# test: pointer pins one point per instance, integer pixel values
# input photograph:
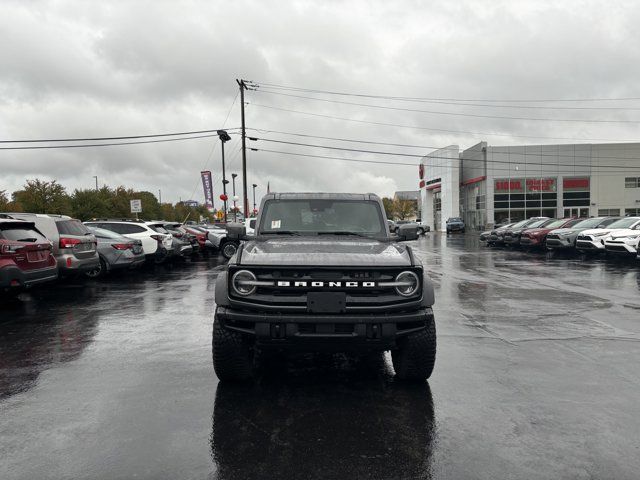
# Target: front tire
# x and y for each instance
(232, 357)
(415, 356)
(421, 231)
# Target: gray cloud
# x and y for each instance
(120, 68)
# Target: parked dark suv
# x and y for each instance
(323, 274)
(455, 225)
(25, 256)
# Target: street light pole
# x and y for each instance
(224, 137)
(160, 196)
(96, 177)
(254, 198)
(235, 211)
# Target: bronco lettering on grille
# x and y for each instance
(318, 284)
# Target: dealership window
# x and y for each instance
(632, 212)
(608, 212)
(632, 182)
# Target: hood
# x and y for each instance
(625, 232)
(327, 251)
(600, 231)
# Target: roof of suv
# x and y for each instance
(53, 216)
(324, 196)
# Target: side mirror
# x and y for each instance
(236, 231)
(407, 232)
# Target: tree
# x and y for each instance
(404, 208)
(40, 196)
(86, 204)
(4, 201)
(388, 207)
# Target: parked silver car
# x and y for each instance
(74, 246)
(115, 252)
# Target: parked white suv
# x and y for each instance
(594, 239)
(624, 241)
(156, 246)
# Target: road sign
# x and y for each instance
(220, 214)
(136, 206)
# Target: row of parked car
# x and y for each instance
(611, 235)
(39, 248)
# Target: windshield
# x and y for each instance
(625, 222)
(519, 224)
(589, 223)
(71, 227)
(452, 220)
(322, 216)
(555, 224)
(538, 223)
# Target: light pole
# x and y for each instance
(254, 198)
(224, 137)
(96, 177)
(235, 212)
(160, 196)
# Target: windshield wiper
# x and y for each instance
(345, 233)
(281, 232)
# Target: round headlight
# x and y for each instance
(407, 284)
(243, 282)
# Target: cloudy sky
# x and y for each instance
(78, 69)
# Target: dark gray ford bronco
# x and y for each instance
(323, 274)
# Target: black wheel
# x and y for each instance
(420, 231)
(232, 357)
(99, 271)
(229, 249)
(415, 355)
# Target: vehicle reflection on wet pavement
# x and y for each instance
(536, 377)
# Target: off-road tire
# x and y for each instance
(229, 249)
(415, 356)
(232, 358)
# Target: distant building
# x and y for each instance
(191, 203)
(485, 185)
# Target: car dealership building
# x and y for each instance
(485, 185)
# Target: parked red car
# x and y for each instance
(200, 236)
(26, 256)
(536, 237)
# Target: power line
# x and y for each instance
(533, 165)
(459, 103)
(416, 127)
(100, 139)
(389, 97)
(454, 114)
(86, 145)
(533, 154)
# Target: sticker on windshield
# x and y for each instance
(275, 224)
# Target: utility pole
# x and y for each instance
(160, 196)
(254, 199)
(96, 177)
(235, 209)
(245, 198)
(224, 137)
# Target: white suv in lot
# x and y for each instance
(156, 246)
(595, 239)
(624, 241)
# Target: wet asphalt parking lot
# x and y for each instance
(537, 377)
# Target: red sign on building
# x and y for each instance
(577, 183)
(541, 184)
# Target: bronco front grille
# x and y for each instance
(290, 286)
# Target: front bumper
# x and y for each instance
(590, 244)
(531, 241)
(559, 243)
(26, 278)
(621, 247)
(312, 332)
